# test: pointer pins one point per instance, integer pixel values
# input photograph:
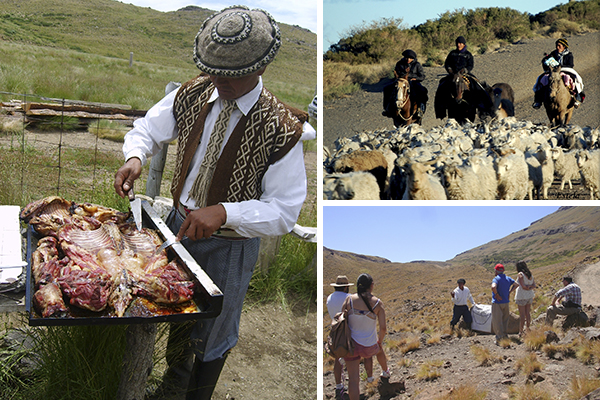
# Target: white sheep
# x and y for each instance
(534, 182)
(350, 186)
(461, 182)
(565, 166)
(589, 169)
(421, 184)
(512, 174)
(484, 168)
(544, 156)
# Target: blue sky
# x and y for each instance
(292, 12)
(408, 233)
(340, 15)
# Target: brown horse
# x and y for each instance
(503, 99)
(398, 102)
(557, 100)
(460, 95)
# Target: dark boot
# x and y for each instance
(204, 378)
(538, 98)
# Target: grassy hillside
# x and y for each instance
(55, 47)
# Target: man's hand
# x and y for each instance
(202, 223)
(126, 175)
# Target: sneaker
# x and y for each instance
(576, 104)
(370, 379)
(385, 374)
(536, 105)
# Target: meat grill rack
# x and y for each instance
(207, 302)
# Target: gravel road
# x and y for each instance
(517, 64)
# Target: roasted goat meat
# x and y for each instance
(49, 300)
(98, 261)
(85, 288)
(168, 284)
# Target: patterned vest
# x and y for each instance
(269, 131)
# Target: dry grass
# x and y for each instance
(529, 364)
(528, 392)
(536, 337)
(435, 338)
(484, 356)
(343, 78)
(464, 392)
(430, 370)
(581, 386)
(505, 343)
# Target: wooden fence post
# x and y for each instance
(157, 166)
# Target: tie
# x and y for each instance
(200, 187)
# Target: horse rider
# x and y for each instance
(459, 59)
(416, 75)
(560, 56)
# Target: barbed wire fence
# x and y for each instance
(61, 147)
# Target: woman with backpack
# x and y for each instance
(365, 312)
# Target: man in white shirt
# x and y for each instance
(460, 295)
(334, 306)
(239, 175)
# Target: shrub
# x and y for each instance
(464, 392)
(430, 370)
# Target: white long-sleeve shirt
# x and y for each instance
(461, 296)
(283, 185)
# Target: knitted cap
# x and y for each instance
(409, 54)
(461, 39)
(236, 42)
(562, 41)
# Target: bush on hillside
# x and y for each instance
(381, 40)
(586, 13)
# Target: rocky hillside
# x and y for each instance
(418, 311)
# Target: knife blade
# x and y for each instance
(136, 209)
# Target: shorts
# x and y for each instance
(362, 351)
(524, 302)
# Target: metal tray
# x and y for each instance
(207, 302)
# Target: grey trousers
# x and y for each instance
(500, 316)
(553, 311)
(230, 264)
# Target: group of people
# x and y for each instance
(460, 60)
(367, 321)
(502, 286)
(365, 315)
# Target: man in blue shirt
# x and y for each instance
(502, 285)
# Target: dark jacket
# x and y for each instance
(458, 60)
(565, 61)
(416, 70)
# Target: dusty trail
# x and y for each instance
(588, 280)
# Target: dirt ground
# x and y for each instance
(459, 366)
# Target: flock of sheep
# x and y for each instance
(507, 160)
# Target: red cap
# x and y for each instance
(499, 267)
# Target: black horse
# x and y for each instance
(460, 96)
